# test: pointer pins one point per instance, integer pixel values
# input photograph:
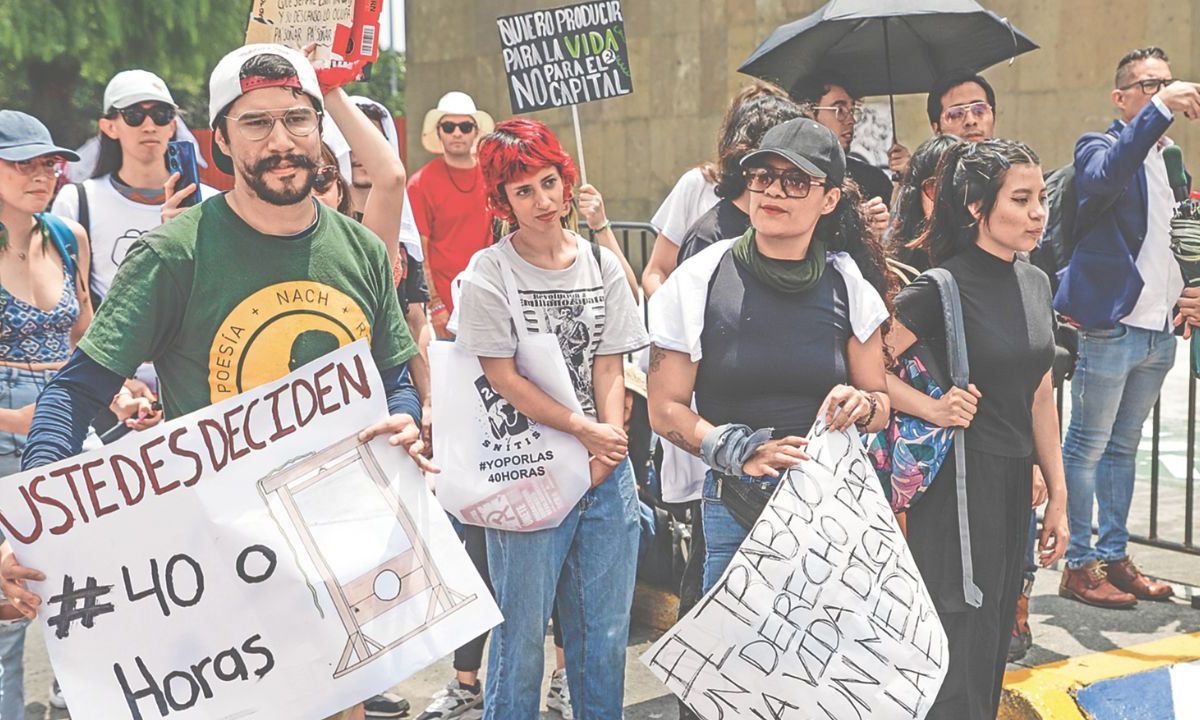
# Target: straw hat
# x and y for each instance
(452, 103)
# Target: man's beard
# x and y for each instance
(289, 195)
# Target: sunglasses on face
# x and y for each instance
(135, 115)
(795, 183)
(958, 113)
(51, 165)
(466, 127)
(258, 124)
(1150, 86)
(843, 113)
(325, 178)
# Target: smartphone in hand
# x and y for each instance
(181, 158)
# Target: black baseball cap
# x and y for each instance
(805, 143)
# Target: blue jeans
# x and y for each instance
(589, 562)
(18, 388)
(722, 534)
(12, 670)
(1117, 381)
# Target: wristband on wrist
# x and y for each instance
(435, 308)
(726, 448)
(866, 422)
(607, 224)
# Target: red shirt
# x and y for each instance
(449, 205)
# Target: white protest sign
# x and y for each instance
(249, 560)
(821, 613)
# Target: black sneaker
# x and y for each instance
(386, 705)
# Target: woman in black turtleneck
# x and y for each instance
(989, 206)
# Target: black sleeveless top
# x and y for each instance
(770, 357)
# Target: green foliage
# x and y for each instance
(58, 55)
(387, 82)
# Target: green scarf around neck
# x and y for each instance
(790, 276)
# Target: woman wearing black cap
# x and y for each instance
(790, 328)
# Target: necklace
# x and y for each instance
(464, 191)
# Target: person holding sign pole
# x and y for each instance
(578, 292)
(263, 251)
(770, 331)
(988, 207)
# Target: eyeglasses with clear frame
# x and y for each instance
(51, 165)
(958, 113)
(843, 113)
(258, 124)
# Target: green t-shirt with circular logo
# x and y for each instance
(221, 308)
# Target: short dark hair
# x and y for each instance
(810, 89)
(949, 81)
(271, 67)
(372, 111)
(1122, 75)
(110, 158)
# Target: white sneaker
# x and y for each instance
(559, 696)
(57, 701)
(454, 702)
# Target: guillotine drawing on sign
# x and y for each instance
(341, 507)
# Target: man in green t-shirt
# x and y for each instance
(241, 289)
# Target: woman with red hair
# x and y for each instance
(577, 292)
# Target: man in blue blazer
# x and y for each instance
(1125, 290)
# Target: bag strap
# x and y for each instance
(509, 280)
(64, 240)
(85, 216)
(956, 348)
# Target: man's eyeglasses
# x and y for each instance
(258, 124)
(843, 113)
(134, 115)
(795, 183)
(1149, 87)
(324, 178)
(958, 113)
(466, 127)
(51, 165)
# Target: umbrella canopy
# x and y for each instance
(883, 47)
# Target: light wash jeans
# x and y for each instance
(1117, 381)
(589, 562)
(12, 670)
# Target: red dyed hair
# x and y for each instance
(515, 149)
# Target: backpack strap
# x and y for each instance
(85, 217)
(956, 348)
(64, 240)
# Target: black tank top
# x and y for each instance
(770, 357)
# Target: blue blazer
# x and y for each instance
(1101, 284)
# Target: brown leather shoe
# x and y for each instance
(1089, 584)
(1022, 636)
(1126, 576)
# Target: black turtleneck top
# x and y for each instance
(1009, 327)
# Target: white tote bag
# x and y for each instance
(501, 469)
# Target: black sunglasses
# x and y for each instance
(324, 178)
(162, 114)
(465, 127)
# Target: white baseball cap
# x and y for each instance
(229, 81)
(130, 87)
(452, 103)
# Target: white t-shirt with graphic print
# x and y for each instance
(589, 308)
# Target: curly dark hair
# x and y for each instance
(749, 121)
(969, 173)
(908, 216)
(713, 171)
(845, 230)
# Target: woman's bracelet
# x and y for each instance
(866, 422)
(607, 224)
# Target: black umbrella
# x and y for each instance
(887, 47)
